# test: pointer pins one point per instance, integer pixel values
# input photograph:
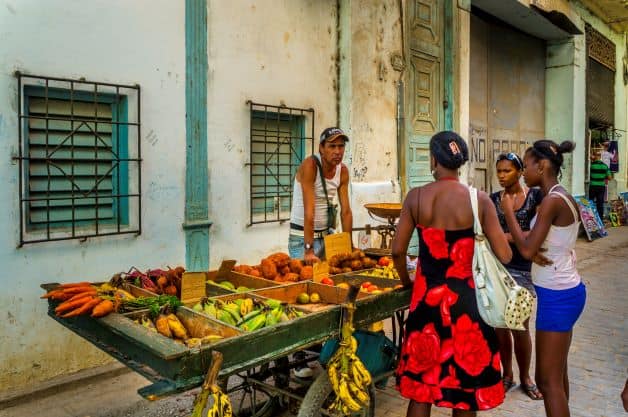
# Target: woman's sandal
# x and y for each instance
(508, 383)
(532, 391)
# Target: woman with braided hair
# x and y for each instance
(560, 292)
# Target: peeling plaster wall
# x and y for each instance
(147, 47)
(277, 52)
(375, 38)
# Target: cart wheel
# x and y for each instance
(257, 402)
(320, 396)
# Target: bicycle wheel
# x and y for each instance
(320, 395)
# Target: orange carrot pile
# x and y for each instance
(79, 298)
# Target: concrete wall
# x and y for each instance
(115, 41)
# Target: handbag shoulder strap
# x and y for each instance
(477, 226)
(323, 182)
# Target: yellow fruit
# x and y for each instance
(343, 285)
(303, 298)
(315, 298)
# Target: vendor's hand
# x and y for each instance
(541, 259)
(310, 258)
(508, 203)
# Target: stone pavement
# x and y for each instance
(598, 361)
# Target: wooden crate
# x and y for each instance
(237, 279)
(330, 296)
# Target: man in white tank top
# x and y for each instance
(309, 220)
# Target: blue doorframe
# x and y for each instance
(196, 224)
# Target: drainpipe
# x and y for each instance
(196, 224)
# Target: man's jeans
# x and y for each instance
(297, 251)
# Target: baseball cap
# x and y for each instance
(333, 133)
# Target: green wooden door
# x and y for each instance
(424, 87)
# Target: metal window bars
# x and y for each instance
(79, 158)
(280, 137)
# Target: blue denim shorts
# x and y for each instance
(297, 251)
(558, 310)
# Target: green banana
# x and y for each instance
(255, 323)
(234, 310)
(226, 317)
(248, 317)
(272, 303)
(210, 310)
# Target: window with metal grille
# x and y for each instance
(280, 138)
(79, 159)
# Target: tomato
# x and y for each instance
(384, 261)
(366, 284)
(327, 281)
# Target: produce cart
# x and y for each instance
(255, 356)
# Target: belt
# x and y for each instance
(297, 230)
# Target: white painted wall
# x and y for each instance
(116, 41)
(270, 52)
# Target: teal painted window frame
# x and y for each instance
(297, 132)
(119, 141)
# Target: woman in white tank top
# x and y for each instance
(560, 293)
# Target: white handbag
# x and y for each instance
(501, 301)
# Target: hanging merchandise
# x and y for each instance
(613, 150)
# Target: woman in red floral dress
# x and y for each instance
(450, 357)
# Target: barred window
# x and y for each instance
(279, 139)
(79, 159)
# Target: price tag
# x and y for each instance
(225, 269)
(337, 243)
(192, 286)
(320, 270)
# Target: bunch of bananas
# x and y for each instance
(348, 376)
(221, 406)
(248, 314)
(387, 271)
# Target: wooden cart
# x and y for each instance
(173, 368)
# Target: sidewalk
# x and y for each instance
(598, 361)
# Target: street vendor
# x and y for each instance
(314, 210)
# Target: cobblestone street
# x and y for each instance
(598, 361)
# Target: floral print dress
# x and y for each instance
(450, 357)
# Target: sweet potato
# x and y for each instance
(269, 269)
(307, 272)
(255, 272)
(281, 259)
(295, 265)
(291, 277)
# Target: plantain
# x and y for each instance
(210, 310)
(177, 328)
(346, 397)
(358, 393)
(272, 303)
(161, 323)
(146, 322)
(234, 310)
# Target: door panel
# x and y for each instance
(424, 92)
(507, 95)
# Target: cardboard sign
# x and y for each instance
(337, 243)
(320, 270)
(225, 268)
(192, 286)
(591, 221)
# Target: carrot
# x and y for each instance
(84, 309)
(103, 308)
(91, 292)
(76, 290)
(52, 294)
(72, 304)
(74, 284)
